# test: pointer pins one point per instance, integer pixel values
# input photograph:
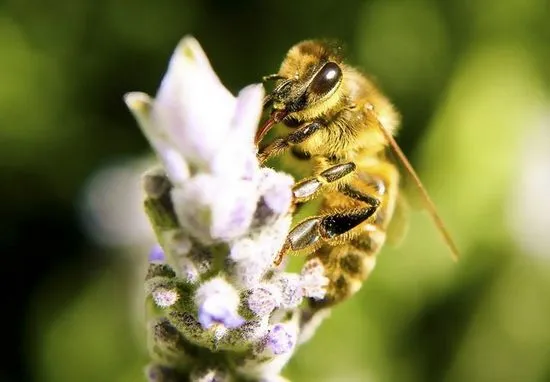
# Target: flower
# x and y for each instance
(156, 254)
(279, 340)
(218, 301)
(313, 279)
(190, 101)
(165, 297)
(220, 220)
(262, 300)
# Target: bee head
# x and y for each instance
(297, 94)
(306, 86)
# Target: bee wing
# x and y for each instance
(399, 225)
(427, 201)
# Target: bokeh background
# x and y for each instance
(472, 82)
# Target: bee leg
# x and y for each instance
(279, 145)
(326, 227)
(323, 228)
(309, 187)
(347, 190)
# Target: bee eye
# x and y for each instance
(327, 78)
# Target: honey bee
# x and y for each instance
(342, 124)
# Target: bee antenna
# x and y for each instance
(430, 206)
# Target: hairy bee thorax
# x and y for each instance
(315, 86)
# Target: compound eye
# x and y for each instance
(327, 78)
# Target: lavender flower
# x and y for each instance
(220, 310)
(156, 254)
(164, 297)
(218, 301)
(279, 340)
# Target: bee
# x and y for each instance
(342, 124)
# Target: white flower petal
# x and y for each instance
(215, 208)
(232, 215)
(192, 100)
(247, 112)
(141, 105)
(235, 161)
(237, 157)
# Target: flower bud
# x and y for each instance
(217, 303)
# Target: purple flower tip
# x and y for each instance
(277, 194)
(279, 340)
(156, 255)
(213, 311)
(278, 199)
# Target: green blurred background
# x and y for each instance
(472, 82)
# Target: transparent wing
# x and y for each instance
(427, 201)
(399, 225)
